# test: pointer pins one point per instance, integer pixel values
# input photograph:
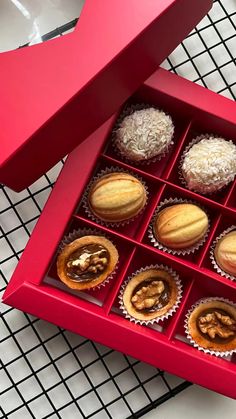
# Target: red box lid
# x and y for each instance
(55, 94)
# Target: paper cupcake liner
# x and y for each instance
(180, 172)
(96, 219)
(128, 110)
(212, 255)
(76, 234)
(200, 348)
(169, 313)
(160, 246)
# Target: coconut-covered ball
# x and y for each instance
(144, 134)
(209, 165)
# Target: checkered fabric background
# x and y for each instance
(47, 372)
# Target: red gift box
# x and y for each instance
(35, 287)
(57, 93)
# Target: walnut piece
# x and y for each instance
(148, 296)
(90, 262)
(217, 324)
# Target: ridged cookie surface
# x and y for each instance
(180, 226)
(117, 197)
(225, 253)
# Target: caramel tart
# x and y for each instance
(86, 262)
(225, 253)
(150, 294)
(212, 325)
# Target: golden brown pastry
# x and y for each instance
(225, 253)
(180, 226)
(150, 294)
(212, 325)
(117, 197)
(86, 262)
(209, 164)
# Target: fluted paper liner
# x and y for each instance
(96, 219)
(169, 313)
(200, 348)
(128, 110)
(167, 203)
(76, 234)
(180, 172)
(212, 255)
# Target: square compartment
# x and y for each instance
(202, 289)
(142, 259)
(133, 227)
(100, 294)
(160, 167)
(171, 192)
(224, 222)
(175, 173)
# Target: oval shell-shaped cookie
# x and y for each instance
(180, 226)
(117, 197)
(225, 253)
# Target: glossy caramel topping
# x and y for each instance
(150, 295)
(217, 325)
(87, 263)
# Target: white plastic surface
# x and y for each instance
(25, 21)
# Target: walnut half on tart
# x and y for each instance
(212, 325)
(86, 262)
(150, 294)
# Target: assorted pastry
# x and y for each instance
(117, 197)
(154, 293)
(211, 326)
(209, 164)
(180, 226)
(151, 294)
(144, 134)
(225, 252)
(87, 262)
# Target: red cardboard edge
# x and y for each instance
(113, 77)
(26, 292)
(117, 327)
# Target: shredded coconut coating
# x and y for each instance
(209, 165)
(144, 134)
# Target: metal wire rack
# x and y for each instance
(48, 372)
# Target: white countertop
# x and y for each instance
(195, 402)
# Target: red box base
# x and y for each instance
(35, 288)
